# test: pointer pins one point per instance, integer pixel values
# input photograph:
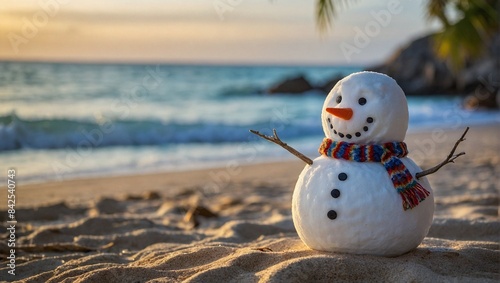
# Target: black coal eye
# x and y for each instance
(339, 99)
(362, 101)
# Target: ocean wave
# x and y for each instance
(17, 133)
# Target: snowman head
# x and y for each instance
(365, 107)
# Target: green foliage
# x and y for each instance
(436, 10)
(466, 26)
(464, 38)
(326, 10)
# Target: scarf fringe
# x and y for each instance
(413, 195)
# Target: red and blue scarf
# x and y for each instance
(389, 155)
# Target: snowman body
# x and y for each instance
(353, 207)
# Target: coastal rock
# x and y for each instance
(297, 84)
(418, 71)
(328, 85)
(482, 98)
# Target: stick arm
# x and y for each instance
(449, 159)
(275, 139)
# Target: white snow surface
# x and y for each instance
(366, 213)
(370, 215)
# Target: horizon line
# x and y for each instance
(186, 63)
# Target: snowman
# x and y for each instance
(362, 195)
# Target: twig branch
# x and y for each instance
(275, 139)
(450, 159)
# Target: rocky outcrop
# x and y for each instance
(329, 84)
(419, 72)
(300, 84)
(482, 97)
(297, 84)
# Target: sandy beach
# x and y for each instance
(233, 224)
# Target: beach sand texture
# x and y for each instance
(173, 227)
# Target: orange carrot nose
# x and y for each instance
(343, 113)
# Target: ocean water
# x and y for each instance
(63, 121)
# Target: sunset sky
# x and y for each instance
(202, 31)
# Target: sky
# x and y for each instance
(206, 31)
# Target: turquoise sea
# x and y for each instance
(62, 121)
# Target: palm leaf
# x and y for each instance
(326, 10)
(465, 39)
(460, 40)
(437, 9)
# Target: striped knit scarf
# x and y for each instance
(389, 155)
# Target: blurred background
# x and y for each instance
(100, 88)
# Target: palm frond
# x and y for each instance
(461, 38)
(326, 10)
(436, 9)
(465, 39)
